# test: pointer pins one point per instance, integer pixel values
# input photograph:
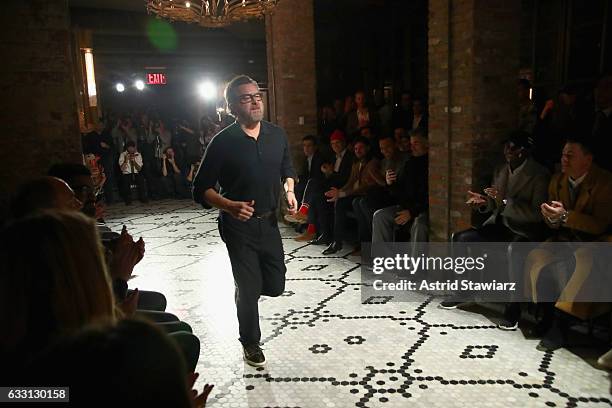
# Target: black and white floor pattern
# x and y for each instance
(327, 349)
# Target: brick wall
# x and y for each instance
(473, 69)
(37, 98)
(291, 69)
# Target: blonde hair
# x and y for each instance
(53, 278)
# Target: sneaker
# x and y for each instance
(449, 304)
(254, 356)
(507, 325)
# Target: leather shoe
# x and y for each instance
(305, 237)
(333, 248)
(321, 240)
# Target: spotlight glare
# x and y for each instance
(207, 90)
(120, 87)
(187, 4)
(139, 84)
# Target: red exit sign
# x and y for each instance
(156, 79)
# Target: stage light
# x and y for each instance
(187, 4)
(120, 87)
(139, 84)
(207, 90)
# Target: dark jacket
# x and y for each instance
(522, 211)
(315, 168)
(339, 178)
(411, 190)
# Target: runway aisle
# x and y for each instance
(325, 348)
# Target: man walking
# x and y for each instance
(248, 160)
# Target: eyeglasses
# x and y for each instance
(249, 98)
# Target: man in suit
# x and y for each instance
(513, 202)
(310, 183)
(336, 172)
(577, 210)
(363, 177)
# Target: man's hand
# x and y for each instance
(495, 194)
(553, 211)
(332, 195)
(241, 210)
(402, 217)
(327, 169)
(390, 177)
(475, 199)
(291, 202)
(198, 400)
(104, 145)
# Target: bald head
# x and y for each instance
(44, 193)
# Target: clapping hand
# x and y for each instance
(327, 169)
(475, 199)
(332, 195)
(198, 400)
(552, 211)
(402, 217)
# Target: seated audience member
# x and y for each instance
(402, 115)
(61, 289)
(133, 364)
(378, 196)
(601, 138)
(368, 133)
(310, 182)
(397, 135)
(337, 173)
(363, 177)
(172, 177)
(404, 141)
(193, 169)
(361, 116)
(564, 112)
(527, 114)
(513, 201)
(408, 190)
(419, 114)
(44, 193)
(130, 163)
(123, 253)
(577, 210)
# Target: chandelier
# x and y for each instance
(210, 13)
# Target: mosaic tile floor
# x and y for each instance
(327, 349)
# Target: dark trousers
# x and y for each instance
(258, 264)
(126, 182)
(488, 233)
(321, 213)
(341, 219)
(174, 186)
(364, 215)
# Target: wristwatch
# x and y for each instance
(564, 216)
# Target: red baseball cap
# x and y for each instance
(337, 135)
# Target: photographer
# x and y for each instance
(130, 162)
(172, 177)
